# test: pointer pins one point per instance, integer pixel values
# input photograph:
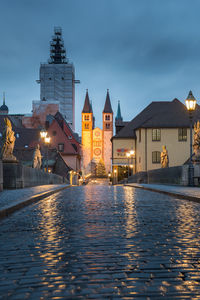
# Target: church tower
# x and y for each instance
(107, 133)
(87, 134)
(57, 79)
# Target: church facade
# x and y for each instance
(96, 142)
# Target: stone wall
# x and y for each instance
(15, 176)
(174, 175)
(1, 176)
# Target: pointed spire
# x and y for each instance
(4, 98)
(107, 107)
(119, 116)
(87, 104)
(91, 106)
(190, 96)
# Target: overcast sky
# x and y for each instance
(142, 50)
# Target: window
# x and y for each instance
(54, 133)
(87, 118)
(156, 135)
(17, 135)
(107, 118)
(107, 126)
(140, 159)
(182, 134)
(156, 157)
(139, 135)
(86, 126)
(97, 143)
(61, 147)
(69, 137)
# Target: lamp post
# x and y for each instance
(191, 105)
(132, 154)
(47, 140)
(128, 156)
(115, 176)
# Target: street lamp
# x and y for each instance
(191, 105)
(47, 140)
(43, 133)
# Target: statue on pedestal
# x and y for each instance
(164, 158)
(8, 142)
(196, 143)
(37, 158)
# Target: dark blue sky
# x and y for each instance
(142, 50)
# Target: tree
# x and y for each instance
(101, 170)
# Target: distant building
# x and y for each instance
(64, 140)
(160, 123)
(4, 108)
(96, 142)
(119, 123)
(40, 111)
(57, 79)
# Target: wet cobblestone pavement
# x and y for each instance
(102, 242)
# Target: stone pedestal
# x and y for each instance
(12, 175)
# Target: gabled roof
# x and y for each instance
(161, 114)
(60, 119)
(87, 108)
(107, 107)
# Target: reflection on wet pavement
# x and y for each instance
(102, 242)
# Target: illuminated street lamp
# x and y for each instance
(43, 133)
(190, 103)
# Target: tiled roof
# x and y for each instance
(59, 118)
(162, 114)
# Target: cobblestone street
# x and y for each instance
(102, 242)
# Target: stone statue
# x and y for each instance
(8, 142)
(164, 159)
(37, 158)
(196, 142)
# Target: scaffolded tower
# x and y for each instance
(57, 79)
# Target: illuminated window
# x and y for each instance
(87, 118)
(156, 135)
(182, 134)
(156, 157)
(61, 147)
(107, 118)
(86, 126)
